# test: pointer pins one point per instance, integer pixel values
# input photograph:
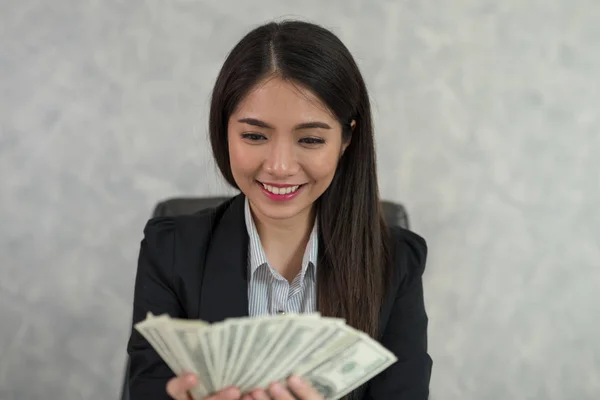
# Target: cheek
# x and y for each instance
(238, 161)
(321, 166)
(245, 163)
(237, 154)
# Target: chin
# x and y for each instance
(280, 216)
(279, 210)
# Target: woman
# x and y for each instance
(290, 127)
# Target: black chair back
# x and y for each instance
(395, 214)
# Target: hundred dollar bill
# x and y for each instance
(167, 345)
(246, 347)
(349, 368)
(300, 333)
(151, 334)
(239, 335)
(211, 340)
(268, 331)
(325, 331)
(188, 335)
(341, 337)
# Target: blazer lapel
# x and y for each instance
(224, 292)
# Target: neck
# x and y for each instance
(284, 240)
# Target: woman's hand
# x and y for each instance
(301, 391)
(178, 388)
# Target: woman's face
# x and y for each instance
(284, 146)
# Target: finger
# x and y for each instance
(178, 387)
(279, 392)
(260, 394)
(302, 389)
(231, 393)
(247, 397)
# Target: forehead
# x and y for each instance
(280, 101)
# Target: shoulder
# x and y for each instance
(163, 235)
(408, 253)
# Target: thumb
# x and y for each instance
(178, 387)
(231, 393)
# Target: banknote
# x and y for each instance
(349, 368)
(253, 352)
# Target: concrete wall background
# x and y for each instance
(487, 130)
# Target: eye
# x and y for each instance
(312, 141)
(253, 137)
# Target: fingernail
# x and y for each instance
(295, 380)
(191, 379)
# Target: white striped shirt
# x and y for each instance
(271, 293)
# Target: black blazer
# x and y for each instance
(195, 266)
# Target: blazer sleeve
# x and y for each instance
(405, 333)
(154, 292)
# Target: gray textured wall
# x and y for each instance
(487, 116)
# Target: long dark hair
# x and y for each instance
(353, 266)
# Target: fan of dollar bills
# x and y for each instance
(253, 352)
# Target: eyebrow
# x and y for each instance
(304, 125)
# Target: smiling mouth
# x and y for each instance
(280, 190)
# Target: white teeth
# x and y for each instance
(276, 190)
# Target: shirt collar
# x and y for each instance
(257, 254)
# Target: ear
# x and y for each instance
(345, 145)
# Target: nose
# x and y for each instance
(281, 161)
